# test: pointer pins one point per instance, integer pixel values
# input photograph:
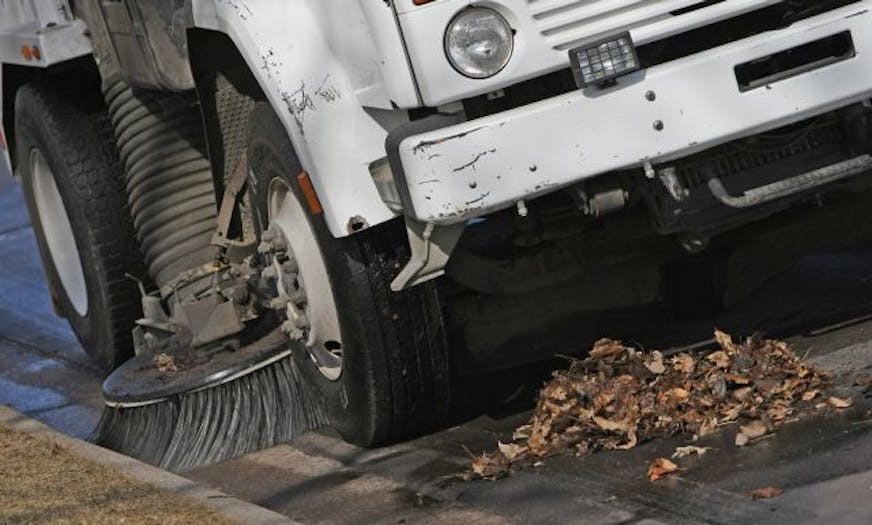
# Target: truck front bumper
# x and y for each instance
(656, 115)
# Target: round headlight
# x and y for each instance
(479, 42)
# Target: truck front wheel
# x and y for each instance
(378, 358)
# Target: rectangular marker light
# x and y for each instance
(602, 61)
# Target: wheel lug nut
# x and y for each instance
(297, 317)
(279, 245)
(290, 266)
(292, 331)
(278, 303)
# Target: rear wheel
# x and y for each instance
(379, 358)
(73, 187)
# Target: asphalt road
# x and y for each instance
(823, 306)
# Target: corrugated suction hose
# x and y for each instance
(169, 179)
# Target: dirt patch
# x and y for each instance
(43, 482)
(619, 397)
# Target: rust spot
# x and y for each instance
(356, 223)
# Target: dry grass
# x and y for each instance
(42, 482)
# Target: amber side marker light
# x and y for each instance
(421, 2)
(309, 193)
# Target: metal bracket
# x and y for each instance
(670, 181)
(431, 248)
(793, 185)
(228, 202)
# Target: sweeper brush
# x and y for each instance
(195, 408)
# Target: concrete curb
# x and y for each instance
(231, 508)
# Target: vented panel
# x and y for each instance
(565, 23)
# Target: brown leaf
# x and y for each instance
(766, 493)
(743, 394)
(522, 432)
(654, 363)
(725, 341)
(837, 402)
(707, 427)
(678, 393)
(732, 413)
(606, 348)
(778, 413)
(632, 440)
(558, 393)
(720, 359)
(661, 467)
(490, 466)
(681, 452)
(613, 426)
(755, 429)
(165, 363)
(512, 451)
(684, 363)
(737, 379)
(809, 395)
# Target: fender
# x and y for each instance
(34, 36)
(291, 49)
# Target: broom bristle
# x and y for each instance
(267, 407)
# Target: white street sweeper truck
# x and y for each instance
(263, 216)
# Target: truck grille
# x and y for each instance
(565, 23)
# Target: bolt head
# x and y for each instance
(293, 333)
(264, 248)
(269, 273)
(268, 234)
(278, 303)
(301, 322)
(290, 266)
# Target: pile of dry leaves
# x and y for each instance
(619, 397)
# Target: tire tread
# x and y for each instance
(80, 131)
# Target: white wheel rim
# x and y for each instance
(58, 232)
(287, 213)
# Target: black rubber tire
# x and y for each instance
(395, 380)
(67, 122)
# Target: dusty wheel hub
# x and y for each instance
(304, 297)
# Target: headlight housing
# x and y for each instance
(479, 42)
